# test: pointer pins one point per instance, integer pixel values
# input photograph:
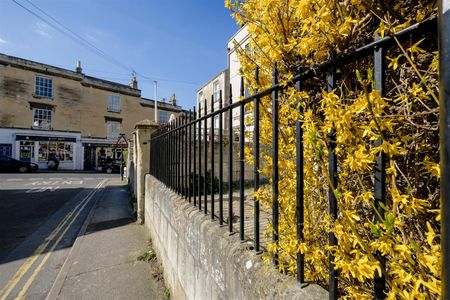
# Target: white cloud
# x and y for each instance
(42, 29)
(3, 41)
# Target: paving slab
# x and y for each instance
(103, 261)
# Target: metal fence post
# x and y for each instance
(256, 164)
(380, 167)
(444, 93)
(332, 169)
(194, 144)
(275, 175)
(299, 186)
(230, 163)
(211, 146)
(199, 160)
(220, 163)
(205, 148)
(189, 162)
(241, 164)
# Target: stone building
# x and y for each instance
(46, 110)
(211, 91)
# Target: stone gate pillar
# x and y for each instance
(143, 130)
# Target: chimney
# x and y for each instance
(133, 83)
(173, 100)
(78, 68)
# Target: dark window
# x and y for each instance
(43, 87)
(114, 103)
(6, 149)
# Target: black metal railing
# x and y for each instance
(179, 152)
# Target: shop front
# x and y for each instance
(42, 149)
(102, 156)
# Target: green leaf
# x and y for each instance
(382, 205)
(376, 232)
(147, 256)
(358, 76)
(389, 220)
(370, 74)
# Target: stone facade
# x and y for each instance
(40, 101)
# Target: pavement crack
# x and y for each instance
(101, 268)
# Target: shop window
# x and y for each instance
(113, 129)
(163, 117)
(43, 87)
(114, 103)
(42, 118)
(6, 149)
(62, 151)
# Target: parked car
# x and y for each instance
(8, 164)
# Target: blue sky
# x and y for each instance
(181, 44)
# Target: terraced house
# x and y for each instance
(46, 110)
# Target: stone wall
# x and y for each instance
(202, 261)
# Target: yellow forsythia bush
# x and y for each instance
(309, 32)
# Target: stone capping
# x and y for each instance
(145, 124)
(202, 261)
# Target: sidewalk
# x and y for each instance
(103, 261)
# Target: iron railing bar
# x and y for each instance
(344, 60)
(332, 166)
(241, 163)
(186, 175)
(189, 166)
(230, 162)
(299, 188)
(194, 172)
(220, 163)
(275, 174)
(199, 160)
(205, 145)
(380, 169)
(211, 146)
(256, 165)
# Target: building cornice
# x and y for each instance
(85, 80)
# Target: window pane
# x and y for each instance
(114, 103)
(113, 129)
(42, 118)
(43, 87)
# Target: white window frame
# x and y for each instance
(44, 116)
(110, 134)
(164, 120)
(200, 105)
(114, 104)
(43, 87)
(216, 90)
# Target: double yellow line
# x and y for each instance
(24, 268)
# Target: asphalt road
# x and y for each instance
(40, 217)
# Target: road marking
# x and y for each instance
(35, 179)
(42, 189)
(30, 280)
(14, 179)
(4, 293)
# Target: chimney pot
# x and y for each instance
(78, 68)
